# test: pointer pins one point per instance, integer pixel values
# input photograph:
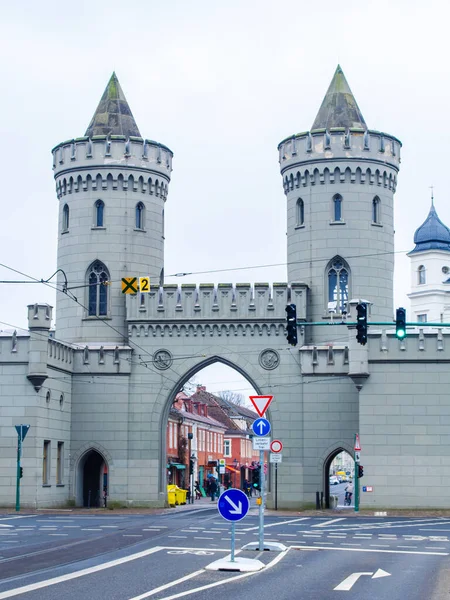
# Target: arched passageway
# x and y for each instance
(93, 477)
(338, 471)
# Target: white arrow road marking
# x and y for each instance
(350, 581)
(237, 509)
(381, 573)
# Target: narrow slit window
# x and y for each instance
(140, 216)
(337, 208)
(300, 212)
(65, 219)
(99, 213)
(376, 210)
(421, 275)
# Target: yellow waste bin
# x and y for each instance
(171, 494)
(180, 495)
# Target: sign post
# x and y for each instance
(22, 431)
(357, 449)
(275, 457)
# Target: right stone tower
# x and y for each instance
(339, 180)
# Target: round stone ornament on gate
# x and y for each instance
(162, 359)
(269, 359)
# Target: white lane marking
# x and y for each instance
(178, 537)
(69, 576)
(349, 544)
(60, 534)
(132, 535)
(328, 543)
(433, 529)
(166, 586)
(109, 526)
(212, 585)
(4, 525)
(369, 550)
(287, 535)
(17, 517)
(391, 525)
(71, 526)
(151, 529)
(380, 545)
(435, 547)
(198, 537)
(276, 524)
(350, 581)
(406, 546)
(90, 529)
(329, 522)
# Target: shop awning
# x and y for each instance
(176, 465)
(232, 469)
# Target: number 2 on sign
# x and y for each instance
(144, 284)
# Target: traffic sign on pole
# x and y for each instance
(22, 431)
(275, 458)
(233, 504)
(261, 427)
(261, 443)
(357, 443)
(261, 403)
(276, 446)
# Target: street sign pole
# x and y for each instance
(233, 541)
(19, 453)
(357, 449)
(262, 477)
(276, 486)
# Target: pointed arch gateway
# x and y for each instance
(92, 479)
(191, 372)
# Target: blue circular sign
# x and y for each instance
(261, 427)
(233, 504)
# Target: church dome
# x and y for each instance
(432, 234)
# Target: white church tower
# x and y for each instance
(430, 271)
(112, 185)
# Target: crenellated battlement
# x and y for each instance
(340, 145)
(222, 303)
(115, 152)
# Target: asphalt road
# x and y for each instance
(132, 557)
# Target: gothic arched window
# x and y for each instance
(337, 274)
(300, 212)
(421, 279)
(337, 208)
(97, 277)
(99, 213)
(376, 210)
(140, 215)
(65, 218)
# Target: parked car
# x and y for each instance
(334, 480)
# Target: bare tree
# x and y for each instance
(230, 396)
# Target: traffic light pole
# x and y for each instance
(356, 486)
(19, 454)
(261, 506)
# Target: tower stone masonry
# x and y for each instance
(339, 180)
(112, 185)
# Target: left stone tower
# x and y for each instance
(112, 185)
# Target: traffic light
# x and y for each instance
(191, 466)
(20, 472)
(360, 471)
(400, 323)
(291, 324)
(256, 478)
(361, 323)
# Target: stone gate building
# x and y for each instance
(97, 390)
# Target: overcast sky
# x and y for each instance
(221, 84)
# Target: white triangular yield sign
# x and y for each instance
(261, 403)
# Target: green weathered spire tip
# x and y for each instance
(339, 107)
(113, 115)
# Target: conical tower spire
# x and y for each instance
(113, 115)
(339, 107)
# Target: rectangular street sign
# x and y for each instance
(367, 488)
(261, 443)
(275, 458)
(357, 456)
(221, 470)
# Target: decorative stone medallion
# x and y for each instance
(269, 359)
(162, 359)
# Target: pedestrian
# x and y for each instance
(212, 488)
(349, 488)
(247, 488)
(198, 493)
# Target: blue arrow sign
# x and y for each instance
(233, 504)
(261, 427)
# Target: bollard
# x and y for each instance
(322, 504)
(317, 501)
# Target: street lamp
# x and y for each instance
(191, 476)
(235, 465)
